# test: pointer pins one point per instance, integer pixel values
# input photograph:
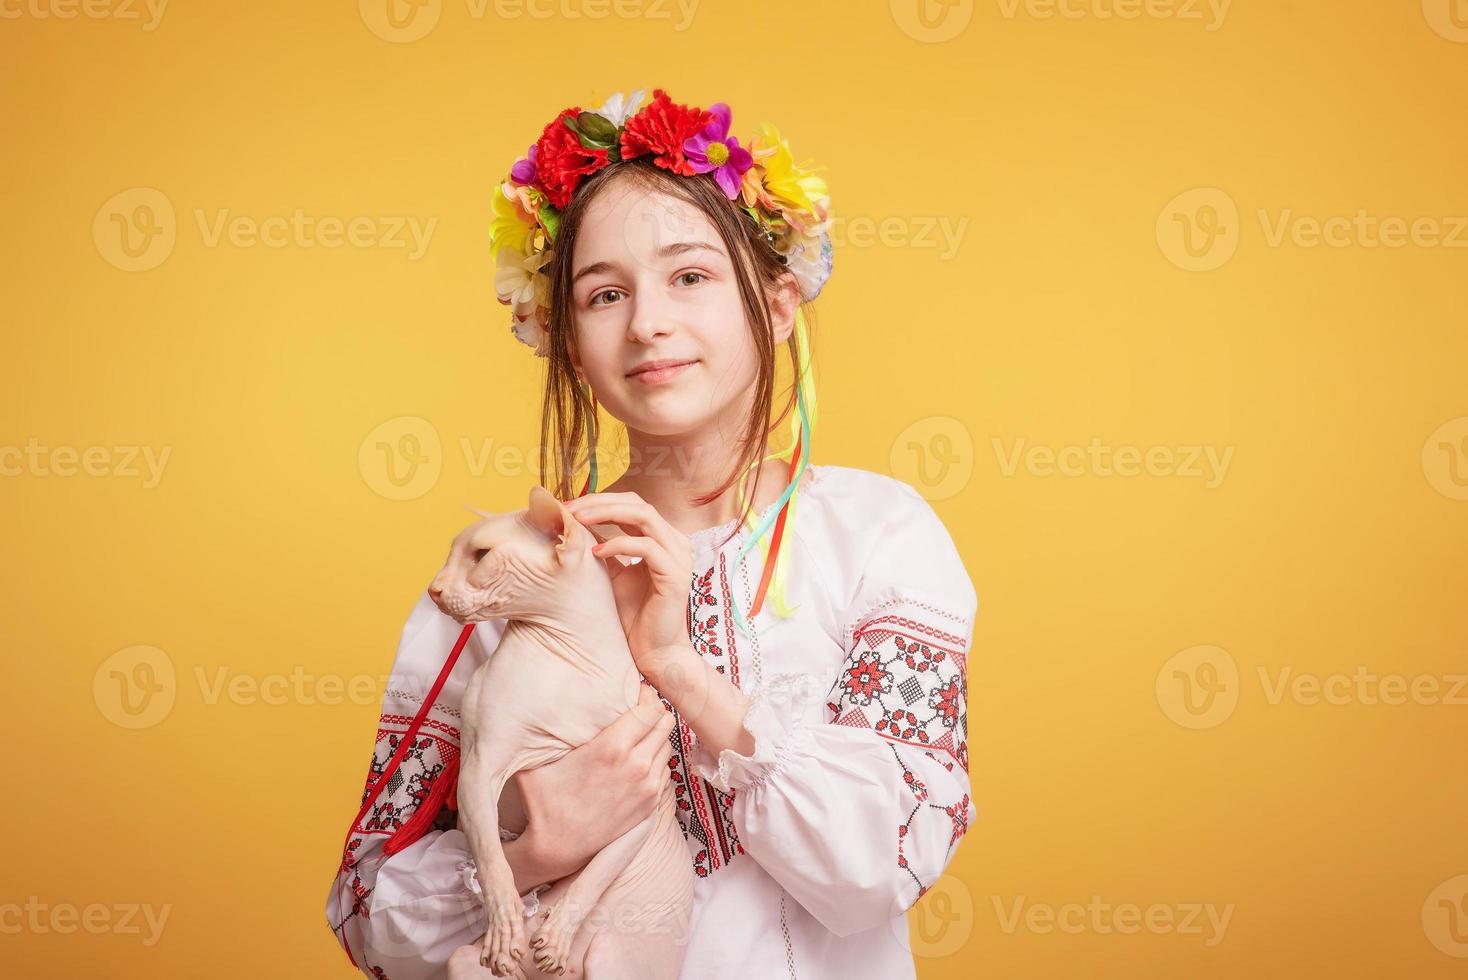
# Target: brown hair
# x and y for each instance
(566, 408)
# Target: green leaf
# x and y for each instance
(599, 128)
(549, 219)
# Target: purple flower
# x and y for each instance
(523, 172)
(714, 149)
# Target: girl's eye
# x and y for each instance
(682, 277)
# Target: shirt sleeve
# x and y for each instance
(857, 792)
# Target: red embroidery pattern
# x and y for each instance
(704, 812)
(426, 762)
(958, 813)
(907, 681)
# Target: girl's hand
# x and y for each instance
(595, 793)
(652, 595)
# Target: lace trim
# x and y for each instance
(896, 595)
(706, 538)
(468, 874)
(447, 709)
(773, 720)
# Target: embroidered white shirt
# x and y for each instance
(808, 852)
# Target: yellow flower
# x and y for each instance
(793, 188)
(509, 228)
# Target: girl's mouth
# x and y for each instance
(662, 374)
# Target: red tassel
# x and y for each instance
(422, 819)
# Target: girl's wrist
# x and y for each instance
(532, 861)
(706, 700)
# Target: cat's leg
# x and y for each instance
(482, 774)
(652, 915)
(551, 942)
(464, 965)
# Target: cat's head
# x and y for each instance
(532, 564)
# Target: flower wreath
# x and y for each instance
(788, 201)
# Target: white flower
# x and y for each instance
(518, 280)
(531, 331)
(620, 107)
(811, 267)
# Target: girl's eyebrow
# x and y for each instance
(677, 248)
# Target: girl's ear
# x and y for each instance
(784, 302)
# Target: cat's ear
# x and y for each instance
(549, 515)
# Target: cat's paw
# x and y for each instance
(504, 942)
(551, 941)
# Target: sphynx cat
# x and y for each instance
(561, 673)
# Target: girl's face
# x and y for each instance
(653, 282)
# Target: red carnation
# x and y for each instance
(561, 161)
(660, 128)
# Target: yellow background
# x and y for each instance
(1335, 539)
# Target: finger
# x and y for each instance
(621, 735)
(659, 759)
(655, 739)
(660, 727)
(659, 562)
(633, 514)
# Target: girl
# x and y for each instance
(807, 641)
